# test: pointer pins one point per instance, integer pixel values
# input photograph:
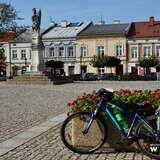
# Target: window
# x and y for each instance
(118, 50)
(23, 54)
(83, 51)
(100, 50)
(134, 53)
(147, 51)
(70, 51)
(51, 52)
(158, 51)
(61, 51)
(14, 54)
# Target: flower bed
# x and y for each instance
(123, 98)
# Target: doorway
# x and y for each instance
(119, 69)
(83, 69)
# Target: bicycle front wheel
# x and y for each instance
(73, 137)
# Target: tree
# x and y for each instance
(8, 17)
(3, 63)
(147, 63)
(105, 61)
(97, 62)
(112, 61)
(54, 65)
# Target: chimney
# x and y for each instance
(64, 24)
(151, 21)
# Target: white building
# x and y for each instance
(59, 42)
(20, 50)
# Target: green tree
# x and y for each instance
(111, 61)
(147, 63)
(2, 58)
(97, 62)
(54, 65)
(105, 61)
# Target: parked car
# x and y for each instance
(89, 77)
(3, 78)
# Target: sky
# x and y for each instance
(87, 10)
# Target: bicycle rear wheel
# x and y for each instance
(73, 137)
(148, 143)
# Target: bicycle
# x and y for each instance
(146, 133)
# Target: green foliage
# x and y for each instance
(105, 61)
(147, 63)
(15, 68)
(54, 64)
(123, 98)
(98, 62)
(112, 61)
(2, 58)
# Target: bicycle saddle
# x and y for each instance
(107, 93)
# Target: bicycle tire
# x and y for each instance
(142, 148)
(74, 147)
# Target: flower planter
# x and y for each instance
(113, 141)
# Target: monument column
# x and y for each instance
(36, 41)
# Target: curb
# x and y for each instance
(30, 133)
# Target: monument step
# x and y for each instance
(30, 79)
(29, 82)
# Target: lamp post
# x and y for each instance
(25, 62)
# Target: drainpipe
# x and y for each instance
(10, 67)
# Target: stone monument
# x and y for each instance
(36, 41)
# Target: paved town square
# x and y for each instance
(25, 106)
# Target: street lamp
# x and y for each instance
(25, 62)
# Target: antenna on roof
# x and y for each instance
(101, 21)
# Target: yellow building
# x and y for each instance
(99, 40)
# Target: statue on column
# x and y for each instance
(36, 20)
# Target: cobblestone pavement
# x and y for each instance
(26, 106)
(48, 146)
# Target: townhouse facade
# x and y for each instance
(143, 40)
(60, 44)
(5, 43)
(76, 43)
(21, 52)
(99, 40)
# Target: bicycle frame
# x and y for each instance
(133, 116)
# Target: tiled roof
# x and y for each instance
(26, 36)
(144, 30)
(71, 30)
(105, 29)
(5, 37)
